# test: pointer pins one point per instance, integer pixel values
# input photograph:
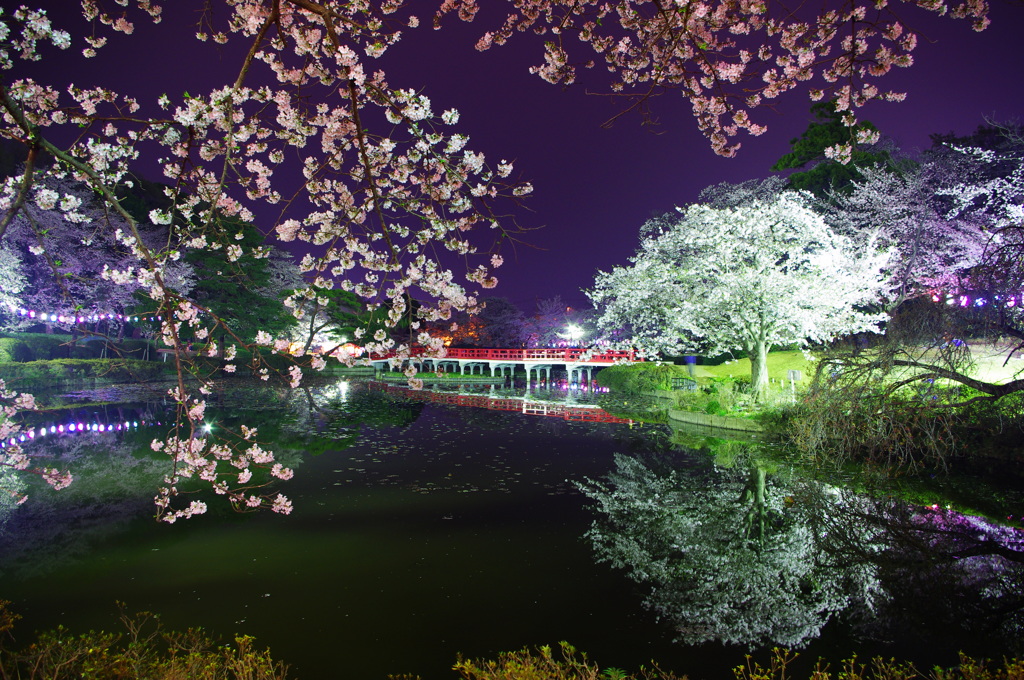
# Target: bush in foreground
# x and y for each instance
(147, 650)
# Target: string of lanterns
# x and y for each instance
(965, 300)
(74, 428)
(85, 318)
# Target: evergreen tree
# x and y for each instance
(819, 174)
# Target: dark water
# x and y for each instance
(420, 531)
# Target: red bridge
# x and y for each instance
(575, 359)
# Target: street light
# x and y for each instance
(574, 333)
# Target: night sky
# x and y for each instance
(594, 187)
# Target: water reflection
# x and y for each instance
(414, 522)
(735, 544)
(410, 513)
(106, 448)
(936, 564)
(727, 553)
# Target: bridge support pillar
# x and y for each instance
(576, 375)
(538, 367)
(501, 367)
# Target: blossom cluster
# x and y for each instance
(12, 454)
(726, 57)
(227, 466)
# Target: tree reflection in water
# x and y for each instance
(750, 552)
(948, 576)
(116, 471)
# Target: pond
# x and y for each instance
(422, 530)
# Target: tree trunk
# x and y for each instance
(758, 368)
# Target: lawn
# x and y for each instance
(991, 365)
(779, 364)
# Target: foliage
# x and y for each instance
(45, 374)
(241, 287)
(903, 209)
(146, 649)
(826, 176)
(328, 316)
(840, 425)
(32, 346)
(503, 324)
(640, 377)
(957, 224)
(552, 316)
(879, 668)
(750, 277)
(544, 664)
(44, 346)
(720, 396)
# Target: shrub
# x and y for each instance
(43, 374)
(544, 664)
(145, 650)
(640, 377)
(778, 668)
(870, 426)
(44, 347)
(14, 349)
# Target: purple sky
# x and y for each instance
(594, 187)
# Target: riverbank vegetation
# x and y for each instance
(835, 405)
(145, 648)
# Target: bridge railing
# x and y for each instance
(559, 355)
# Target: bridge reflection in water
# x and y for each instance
(571, 412)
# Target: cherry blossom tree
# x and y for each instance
(373, 183)
(955, 220)
(66, 243)
(13, 276)
(307, 135)
(503, 324)
(899, 207)
(752, 277)
(553, 316)
(726, 58)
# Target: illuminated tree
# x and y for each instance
(552, 316)
(751, 277)
(12, 274)
(503, 324)
(67, 245)
(933, 249)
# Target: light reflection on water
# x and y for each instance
(420, 531)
